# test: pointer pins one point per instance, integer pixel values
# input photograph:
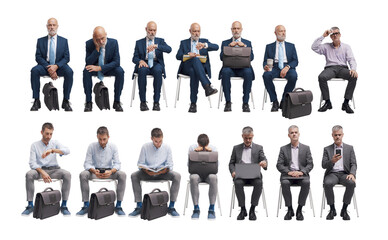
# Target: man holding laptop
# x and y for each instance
(245, 164)
(294, 164)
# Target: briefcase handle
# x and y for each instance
(296, 89)
(49, 188)
(156, 189)
(103, 189)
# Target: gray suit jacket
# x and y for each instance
(304, 157)
(257, 156)
(350, 163)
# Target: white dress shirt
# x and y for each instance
(339, 165)
(294, 158)
(55, 47)
(284, 52)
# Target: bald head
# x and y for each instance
(52, 26)
(236, 29)
(151, 29)
(195, 31)
(280, 32)
(99, 36)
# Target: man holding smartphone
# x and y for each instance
(340, 163)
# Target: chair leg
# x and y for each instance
(164, 93)
(253, 101)
(210, 101)
(218, 202)
(355, 203)
(320, 102)
(177, 90)
(354, 103)
(323, 201)
(264, 98)
(187, 197)
(169, 187)
(311, 201)
(279, 200)
(264, 202)
(232, 201)
(220, 96)
(133, 89)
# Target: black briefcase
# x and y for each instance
(154, 204)
(50, 96)
(297, 103)
(47, 203)
(102, 204)
(236, 57)
(101, 95)
(203, 163)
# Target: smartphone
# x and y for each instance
(338, 151)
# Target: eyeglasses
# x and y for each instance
(336, 33)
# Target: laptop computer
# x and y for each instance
(247, 171)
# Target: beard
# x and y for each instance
(52, 32)
(281, 38)
(150, 36)
(195, 38)
(236, 35)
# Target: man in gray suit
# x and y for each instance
(340, 163)
(247, 153)
(294, 164)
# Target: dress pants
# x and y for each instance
(142, 176)
(336, 72)
(304, 190)
(334, 178)
(38, 71)
(211, 179)
(85, 176)
(118, 73)
(239, 188)
(156, 71)
(53, 173)
(196, 70)
(245, 73)
(268, 77)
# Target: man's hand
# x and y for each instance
(295, 174)
(241, 44)
(263, 164)
(54, 76)
(266, 68)
(48, 152)
(200, 46)
(93, 68)
(327, 33)
(232, 44)
(106, 174)
(96, 44)
(284, 71)
(46, 178)
(199, 149)
(233, 174)
(353, 73)
(335, 158)
(208, 149)
(192, 55)
(351, 177)
(143, 64)
(97, 173)
(52, 68)
(152, 47)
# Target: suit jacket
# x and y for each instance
(226, 43)
(349, 159)
(62, 52)
(292, 57)
(257, 156)
(185, 48)
(141, 52)
(304, 158)
(112, 56)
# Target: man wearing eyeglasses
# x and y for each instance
(338, 56)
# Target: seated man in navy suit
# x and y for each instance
(196, 46)
(148, 57)
(102, 59)
(246, 73)
(285, 61)
(52, 55)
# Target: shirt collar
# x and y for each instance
(55, 36)
(44, 143)
(249, 147)
(297, 147)
(99, 146)
(238, 39)
(342, 145)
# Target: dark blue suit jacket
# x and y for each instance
(112, 56)
(185, 48)
(141, 52)
(62, 54)
(292, 57)
(226, 43)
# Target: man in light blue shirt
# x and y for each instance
(102, 162)
(44, 165)
(155, 163)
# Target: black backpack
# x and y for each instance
(47, 203)
(50, 96)
(101, 95)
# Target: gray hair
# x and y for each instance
(247, 130)
(291, 127)
(335, 28)
(336, 128)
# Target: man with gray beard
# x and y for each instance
(285, 61)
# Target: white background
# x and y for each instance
(362, 26)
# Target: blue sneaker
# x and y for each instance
(173, 212)
(135, 212)
(211, 215)
(83, 211)
(119, 211)
(65, 211)
(195, 215)
(28, 211)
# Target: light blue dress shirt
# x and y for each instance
(38, 148)
(98, 157)
(153, 158)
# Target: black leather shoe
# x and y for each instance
(275, 106)
(344, 214)
(289, 215)
(331, 215)
(252, 215)
(193, 108)
(228, 107)
(88, 107)
(346, 107)
(245, 107)
(209, 90)
(299, 216)
(117, 106)
(143, 106)
(325, 106)
(66, 105)
(35, 105)
(156, 107)
(242, 215)
(281, 104)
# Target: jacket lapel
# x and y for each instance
(45, 44)
(273, 57)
